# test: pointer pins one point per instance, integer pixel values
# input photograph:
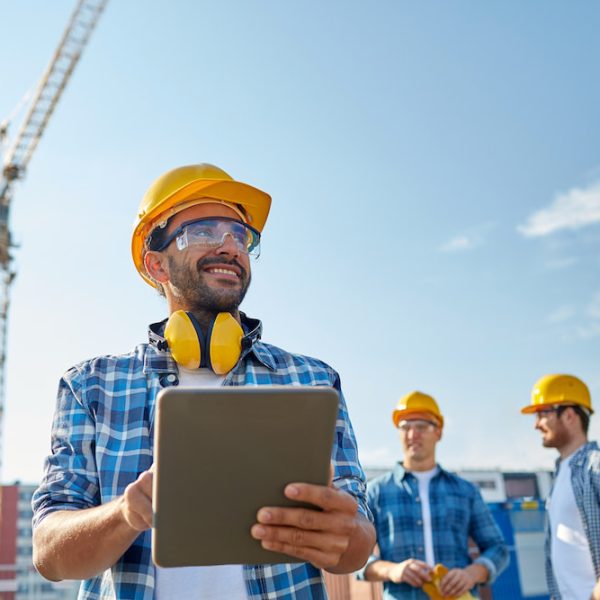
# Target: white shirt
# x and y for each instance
(221, 582)
(424, 477)
(570, 552)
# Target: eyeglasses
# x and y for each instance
(417, 425)
(557, 409)
(211, 232)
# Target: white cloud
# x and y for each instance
(574, 209)
(591, 328)
(561, 314)
(561, 263)
(461, 242)
(593, 308)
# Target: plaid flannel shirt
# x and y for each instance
(457, 513)
(585, 479)
(102, 438)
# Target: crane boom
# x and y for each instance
(46, 97)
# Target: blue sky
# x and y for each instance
(436, 199)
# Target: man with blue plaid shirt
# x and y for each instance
(195, 231)
(424, 516)
(562, 406)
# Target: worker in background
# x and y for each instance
(562, 406)
(194, 235)
(424, 516)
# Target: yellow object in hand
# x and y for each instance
(432, 588)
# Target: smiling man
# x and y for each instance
(424, 515)
(562, 406)
(194, 236)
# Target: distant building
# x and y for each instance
(18, 578)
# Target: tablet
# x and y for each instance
(221, 454)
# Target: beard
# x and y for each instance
(559, 437)
(199, 297)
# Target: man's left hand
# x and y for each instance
(596, 592)
(457, 582)
(320, 537)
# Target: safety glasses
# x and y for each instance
(210, 233)
(417, 425)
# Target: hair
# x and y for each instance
(583, 415)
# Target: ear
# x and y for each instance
(156, 266)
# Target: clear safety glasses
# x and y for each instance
(416, 425)
(210, 233)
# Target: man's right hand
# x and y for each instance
(137, 502)
(412, 571)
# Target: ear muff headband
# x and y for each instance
(220, 351)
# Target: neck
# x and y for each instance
(572, 445)
(418, 465)
(206, 318)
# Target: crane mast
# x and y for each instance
(46, 97)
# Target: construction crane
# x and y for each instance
(19, 153)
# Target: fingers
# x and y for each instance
(321, 549)
(415, 572)
(318, 536)
(137, 502)
(455, 583)
(327, 498)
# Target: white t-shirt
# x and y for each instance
(424, 477)
(570, 552)
(221, 582)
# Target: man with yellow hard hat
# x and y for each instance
(424, 516)
(193, 238)
(562, 406)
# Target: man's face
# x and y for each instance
(419, 435)
(555, 433)
(200, 279)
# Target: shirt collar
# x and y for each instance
(161, 361)
(400, 473)
(580, 455)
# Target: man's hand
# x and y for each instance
(596, 592)
(320, 537)
(456, 582)
(136, 502)
(412, 571)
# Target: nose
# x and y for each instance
(228, 245)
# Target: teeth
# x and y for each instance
(224, 271)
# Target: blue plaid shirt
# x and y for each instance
(457, 513)
(102, 439)
(585, 479)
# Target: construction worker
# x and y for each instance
(424, 516)
(562, 406)
(195, 232)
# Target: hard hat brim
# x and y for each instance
(399, 415)
(531, 409)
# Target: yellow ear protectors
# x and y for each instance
(221, 349)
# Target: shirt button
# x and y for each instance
(419, 522)
(418, 499)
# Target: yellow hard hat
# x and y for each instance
(183, 187)
(414, 403)
(558, 389)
